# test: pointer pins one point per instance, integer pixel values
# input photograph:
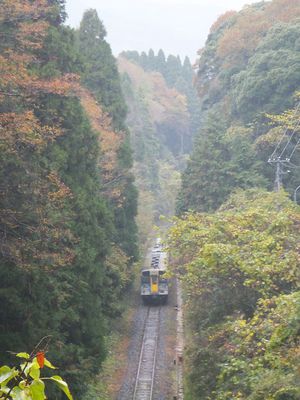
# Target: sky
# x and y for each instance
(179, 27)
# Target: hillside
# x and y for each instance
(67, 201)
(248, 70)
(235, 242)
(159, 123)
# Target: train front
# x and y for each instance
(154, 286)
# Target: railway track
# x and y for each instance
(147, 362)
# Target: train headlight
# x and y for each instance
(145, 290)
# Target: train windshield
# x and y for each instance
(154, 279)
(145, 277)
(162, 277)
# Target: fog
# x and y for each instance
(177, 26)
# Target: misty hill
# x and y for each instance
(249, 68)
(159, 121)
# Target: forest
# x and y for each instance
(94, 149)
(235, 241)
(68, 236)
(163, 118)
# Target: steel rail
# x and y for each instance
(147, 362)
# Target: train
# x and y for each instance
(154, 282)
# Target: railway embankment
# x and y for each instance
(118, 379)
(154, 353)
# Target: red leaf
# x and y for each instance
(40, 358)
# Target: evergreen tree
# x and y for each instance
(161, 62)
(173, 70)
(144, 61)
(146, 147)
(82, 309)
(272, 74)
(222, 160)
(102, 78)
(187, 69)
(58, 13)
(100, 70)
(151, 62)
(56, 228)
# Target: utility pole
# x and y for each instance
(283, 149)
(295, 194)
(279, 172)
(278, 176)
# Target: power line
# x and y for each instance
(293, 151)
(290, 139)
(278, 159)
(291, 165)
(284, 134)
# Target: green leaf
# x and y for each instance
(48, 364)
(26, 367)
(34, 371)
(6, 374)
(62, 385)
(4, 391)
(37, 389)
(22, 384)
(19, 394)
(23, 355)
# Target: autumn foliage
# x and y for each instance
(63, 194)
(109, 141)
(222, 20)
(23, 136)
(234, 38)
(235, 244)
(240, 270)
(250, 25)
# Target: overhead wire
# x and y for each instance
(290, 139)
(272, 157)
(295, 148)
(292, 165)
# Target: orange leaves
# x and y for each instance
(29, 21)
(98, 118)
(222, 20)
(13, 73)
(31, 35)
(110, 142)
(284, 10)
(64, 86)
(235, 39)
(250, 26)
(24, 130)
(163, 102)
(30, 227)
(60, 192)
(17, 80)
(244, 36)
(34, 227)
(27, 27)
(12, 10)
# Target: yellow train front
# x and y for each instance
(154, 286)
